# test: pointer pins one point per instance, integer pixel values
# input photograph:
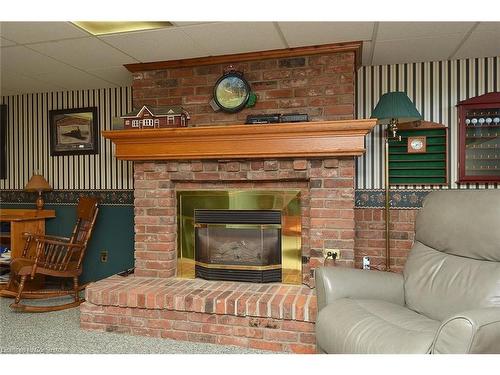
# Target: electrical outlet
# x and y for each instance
(366, 263)
(329, 253)
(104, 256)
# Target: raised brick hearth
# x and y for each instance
(262, 316)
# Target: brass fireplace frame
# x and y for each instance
(287, 201)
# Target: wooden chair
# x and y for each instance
(55, 256)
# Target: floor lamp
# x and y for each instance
(391, 109)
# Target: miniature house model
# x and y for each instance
(149, 117)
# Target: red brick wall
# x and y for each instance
(327, 199)
(246, 331)
(320, 85)
(370, 236)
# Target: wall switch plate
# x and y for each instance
(328, 253)
(104, 256)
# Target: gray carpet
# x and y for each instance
(59, 332)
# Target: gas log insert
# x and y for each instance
(238, 245)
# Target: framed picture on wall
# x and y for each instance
(74, 131)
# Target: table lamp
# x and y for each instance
(391, 109)
(39, 184)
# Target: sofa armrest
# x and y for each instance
(472, 331)
(336, 282)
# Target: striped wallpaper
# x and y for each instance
(28, 142)
(435, 88)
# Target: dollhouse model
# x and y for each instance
(149, 117)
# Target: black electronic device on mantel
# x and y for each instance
(263, 119)
(276, 118)
(294, 117)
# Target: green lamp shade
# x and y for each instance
(395, 105)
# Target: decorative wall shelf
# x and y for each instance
(308, 140)
(427, 168)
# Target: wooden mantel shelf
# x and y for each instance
(311, 139)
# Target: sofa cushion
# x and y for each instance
(439, 285)
(371, 326)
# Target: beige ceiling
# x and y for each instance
(51, 56)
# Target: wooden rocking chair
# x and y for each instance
(55, 256)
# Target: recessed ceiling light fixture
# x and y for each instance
(113, 27)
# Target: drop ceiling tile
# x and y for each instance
(86, 53)
(16, 84)
(488, 27)
(480, 44)
(415, 50)
(33, 32)
(4, 42)
(156, 45)
(71, 78)
(414, 30)
(312, 33)
(116, 74)
(25, 61)
(235, 37)
(189, 23)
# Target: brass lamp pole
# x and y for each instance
(392, 108)
(390, 135)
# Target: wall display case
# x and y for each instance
(420, 157)
(479, 138)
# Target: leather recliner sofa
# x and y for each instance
(446, 301)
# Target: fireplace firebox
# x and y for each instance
(238, 245)
(254, 235)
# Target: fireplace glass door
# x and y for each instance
(238, 245)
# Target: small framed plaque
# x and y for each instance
(417, 145)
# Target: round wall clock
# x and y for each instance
(231, 92)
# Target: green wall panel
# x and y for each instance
(430, 149)
(427, 132)
(417, 180)
(113, 231)
(418, 164)
(418, 168)
(418, 173)
(417, 157)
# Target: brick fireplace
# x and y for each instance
(327, 204)
(267, 316)
(315, 159)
